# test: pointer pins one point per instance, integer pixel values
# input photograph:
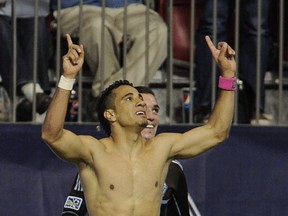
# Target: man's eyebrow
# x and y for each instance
(156, 106)
(126, 95)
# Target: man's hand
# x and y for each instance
(73, 60)
(224, 57)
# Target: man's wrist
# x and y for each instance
(66, 83)
(229, 84)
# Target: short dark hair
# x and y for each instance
(106, 101)
(144, 90)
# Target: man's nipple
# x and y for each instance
(111, 187)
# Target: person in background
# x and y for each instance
(113, 45)
(175, 191)
(247, 51)
(25, 15)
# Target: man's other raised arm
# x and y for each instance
(62, 141)
(217, 129)
(222, 113)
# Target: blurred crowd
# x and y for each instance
(130, 42)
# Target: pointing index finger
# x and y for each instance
(69, 40)
(210, 43)
(73, 46)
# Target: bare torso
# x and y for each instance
(116, 184)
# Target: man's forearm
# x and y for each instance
(55, 117)
(221, 117)
(222, 114)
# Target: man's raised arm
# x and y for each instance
(53, 132)
(217, 129)
(222, 113)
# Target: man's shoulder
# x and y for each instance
(92, 142)
(90, 138)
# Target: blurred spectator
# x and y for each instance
(113, 42)
(247, 52)
(25, 15)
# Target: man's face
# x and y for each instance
(130, 108)
(152, 115)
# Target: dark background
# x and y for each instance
(246, 175)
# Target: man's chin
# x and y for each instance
(147, 134)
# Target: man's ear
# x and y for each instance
(109, 114)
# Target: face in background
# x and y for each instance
(152, 114)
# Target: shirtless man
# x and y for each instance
(175, 191)
(124, 173)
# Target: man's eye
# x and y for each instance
(128, 99)
(156, 110)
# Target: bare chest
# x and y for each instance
(132, 186)
(130, 177)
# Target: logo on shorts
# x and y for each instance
(73, 202)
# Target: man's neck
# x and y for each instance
(128, 142)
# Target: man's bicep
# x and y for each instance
(193, 142)
(71, 147)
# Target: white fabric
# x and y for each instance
(114, 24)
(66, 83)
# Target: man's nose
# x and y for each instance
(149, 114)
(141, 103)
